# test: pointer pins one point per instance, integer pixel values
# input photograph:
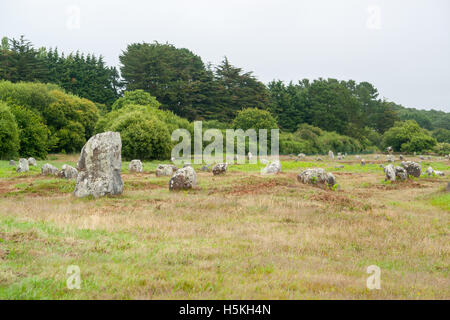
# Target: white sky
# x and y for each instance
(401, 46)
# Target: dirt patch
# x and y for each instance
(19, 236)
(336, 199)
(398, 185)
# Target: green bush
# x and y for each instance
(61, 113)
(144, 133)
(33, 133)
(137, 97)
(9, 133)
(143, 136)
(442, 135)
(442, 148)
(408, 136)
(252, 118)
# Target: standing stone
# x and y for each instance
(390, 172)
(99, 166)
(390, 158)
(32, 162)
(205, 168)
(165, 170)
(317, 176)
(429, 171)
(301, 155)
(389, 149)
(357, 157)
(272, 168)
(400, 173)
(319, 159)
(363, 162)
(68, 172)
(331, 155)
(12, 163)
(49, 170)
(250, 156)
(401, 157)
(135, 166)
(376, 157)
(220, 168)
(184, 178)
(23, 165)
(412, 168)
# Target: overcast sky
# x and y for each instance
(400, 46)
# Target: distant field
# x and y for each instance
(238, 236)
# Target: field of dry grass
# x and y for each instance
(238, 236)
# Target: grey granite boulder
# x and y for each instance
(32, 162)
(165, 170)
(49, 170)
(184, 178)
(68, 172)
(317, 176)
(219, 168)
(99, 166)
(413, 168)
(23, 165)
(135, 166)
(12, 163)
(400, 173)
(390, 172)
(272, 168)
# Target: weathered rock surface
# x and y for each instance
(317, 176)
(32, 162)
(331, 154)
(184, 178)
(249, 156)
(23, 165)
(68, 172)
(219, 168)
(135, 166)
(49, 170)
(272, 168)
(363, 162)
(400, 173)
(301, 155)
(390, 172)
(12, 163)
(412, 168)
(100, 166)
(165, 170)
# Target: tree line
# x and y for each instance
(312, 115)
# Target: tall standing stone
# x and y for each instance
(99, 166)
(331, 155)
